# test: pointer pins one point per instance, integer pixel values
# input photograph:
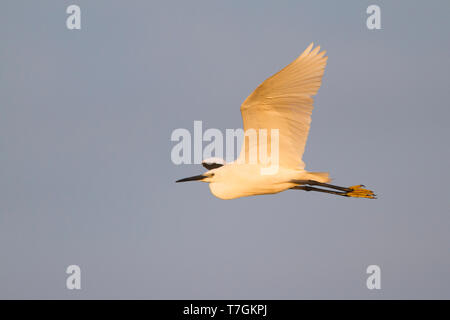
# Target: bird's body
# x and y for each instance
(236, 180)
(282, 103)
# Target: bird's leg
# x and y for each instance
(354, 191)
(308, 188)
(321, 184)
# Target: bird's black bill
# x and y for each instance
(194, 178)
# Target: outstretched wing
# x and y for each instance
(284, 102)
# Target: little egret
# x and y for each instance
(282, 102)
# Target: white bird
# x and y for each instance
(284, 102)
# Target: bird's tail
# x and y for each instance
(323, 177)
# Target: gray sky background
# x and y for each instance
(85, 170)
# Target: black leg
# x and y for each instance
(326, 185)
(308, 188)
(354, 191)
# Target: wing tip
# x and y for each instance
(313, 51)
(308, 49)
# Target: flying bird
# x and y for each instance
(283, 102)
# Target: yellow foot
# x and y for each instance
(359, 192)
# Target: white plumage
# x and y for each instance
(283, 102)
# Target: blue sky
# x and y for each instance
(85, 170)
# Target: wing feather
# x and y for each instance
(284, 102)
